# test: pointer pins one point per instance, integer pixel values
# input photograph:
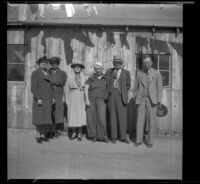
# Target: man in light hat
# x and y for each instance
(96, 95)
(118, 84)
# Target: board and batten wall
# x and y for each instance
(87, 45)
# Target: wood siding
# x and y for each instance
(87, 45)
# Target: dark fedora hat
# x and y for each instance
(77, 64)
(42, 60)
(54, 60)
(117, 59)
(161, 111)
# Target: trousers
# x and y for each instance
(145, 110)
(118, 115)
(96, 118)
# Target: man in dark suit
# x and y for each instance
(118, 84)
(148, 94)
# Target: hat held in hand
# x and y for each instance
(161, 111)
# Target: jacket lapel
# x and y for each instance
(143, 78)
(151, 75)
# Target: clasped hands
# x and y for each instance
(39, 101)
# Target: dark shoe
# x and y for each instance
(125, 141)
(79, 137)
(106, 140)
(137, 144)
(45, 139)
(94, 139)
(149, 145)
(113, 141)
(51, 136)
(39, 140)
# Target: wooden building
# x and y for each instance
(94, 33)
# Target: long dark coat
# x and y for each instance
(58, 81)
(41, 89)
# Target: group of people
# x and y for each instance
(89, 100)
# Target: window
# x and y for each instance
(15, 62)
(15, 56)
(161, 62)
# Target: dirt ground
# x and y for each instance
(64, 159)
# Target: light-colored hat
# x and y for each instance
(98, 65)
(117, 59)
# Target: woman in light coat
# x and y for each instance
(76, 101)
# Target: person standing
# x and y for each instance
(42, 100)
(76, 101)
(147, 94)
(96, 95)
(59, 78)
(118, 84)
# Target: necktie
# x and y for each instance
(116, 79)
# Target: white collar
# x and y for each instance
(44, 72)
(118, 72)
(99, 77)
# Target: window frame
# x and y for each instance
(24, 77)
(158, 58)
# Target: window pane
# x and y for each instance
(15, 53)
(15, 37)
(164, 62)
(15, 72)
(165, 78)
(155, 62)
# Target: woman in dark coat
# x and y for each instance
(59, 78)
(95, 95)
(42, 100)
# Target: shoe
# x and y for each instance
(113, 141)
(45, 139)
(51, 136)
(73, 136)
(137, 144)
(79, 137)
(149, 145)
(106, 140)
(94, 139)
(39, 140)
(56, 135)
(125, 141)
